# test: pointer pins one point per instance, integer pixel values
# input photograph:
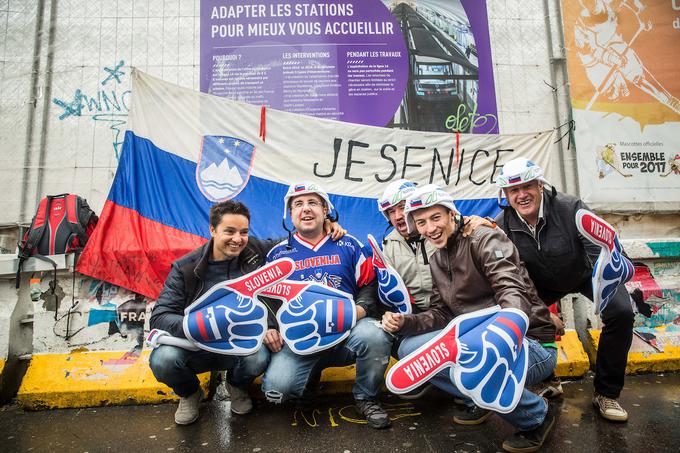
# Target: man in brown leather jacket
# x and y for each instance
(472, 273)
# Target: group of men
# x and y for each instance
(528, 258)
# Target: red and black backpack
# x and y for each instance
(62, 224)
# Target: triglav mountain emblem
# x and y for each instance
(223, 166)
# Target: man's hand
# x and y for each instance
(559, 324)
(473, 221)
(360, 312)
(392, 322)
(273, 340)
(334, 229)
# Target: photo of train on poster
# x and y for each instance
(418, 65)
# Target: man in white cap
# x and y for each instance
(407, 251)
(473, 273)
(541, 224)
(344, 266)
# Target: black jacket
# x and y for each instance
(184, 283)
(560, 261)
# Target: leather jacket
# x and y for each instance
(476, 272)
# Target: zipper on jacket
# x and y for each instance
(538, 244)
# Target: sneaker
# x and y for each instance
(187, 411)
(375, 415)
(416, 393)
(473, 415)
(528, 441)
(550, 388)
(610, 408)
(240, 399)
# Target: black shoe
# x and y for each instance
(473, 415)
(528, 441)
(375, 415)
(416, 393)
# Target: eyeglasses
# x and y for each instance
(299, 204)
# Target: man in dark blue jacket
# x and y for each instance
(229, 254)
(541, 223)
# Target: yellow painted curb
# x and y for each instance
(643, 358)
(572, 360)
(88, 379)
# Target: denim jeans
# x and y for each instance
(530, 410)
(177, 368)
(367, 345)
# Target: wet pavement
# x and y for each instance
(333, 425)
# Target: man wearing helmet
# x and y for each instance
(408, 252)
(472, 273)
(344, 266)
(541, 224)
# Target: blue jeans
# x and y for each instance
(177, 368)
(530, 410)
(367, 345)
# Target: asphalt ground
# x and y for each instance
(331, 424)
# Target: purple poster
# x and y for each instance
(382, 63)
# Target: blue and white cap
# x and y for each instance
(426, 197)
(304, 188)
(395, 193)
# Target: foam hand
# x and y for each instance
(392, 291)
(313, 317)
(227, 319)
(158, 337)
(612, 268)
(485, 352)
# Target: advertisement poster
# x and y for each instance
(623, 60)
(422, 65)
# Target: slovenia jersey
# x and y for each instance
(341, 264)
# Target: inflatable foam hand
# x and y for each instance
(485, 351)
(313, 316)
(392, 291)
(492, 365)
(612, 268)
(158, 337)
(228, 319)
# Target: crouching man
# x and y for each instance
(344, 266)
(229, 254)
(469, 274)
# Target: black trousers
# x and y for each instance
(615, 341)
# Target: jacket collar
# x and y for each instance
(202, 263)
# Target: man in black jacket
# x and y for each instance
(541, 223)
(229, 254)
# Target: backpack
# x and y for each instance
(62, 224)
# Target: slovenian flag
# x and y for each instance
(185, 150)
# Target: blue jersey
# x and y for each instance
(341, 264)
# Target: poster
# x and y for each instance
(623, 60)
(422, 65)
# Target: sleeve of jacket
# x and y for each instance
(498, 259)
(367, 298)
(168, 313)
(435, 318)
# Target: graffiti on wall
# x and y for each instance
(109, 104)
(87, 311)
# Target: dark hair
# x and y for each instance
(223, 208)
